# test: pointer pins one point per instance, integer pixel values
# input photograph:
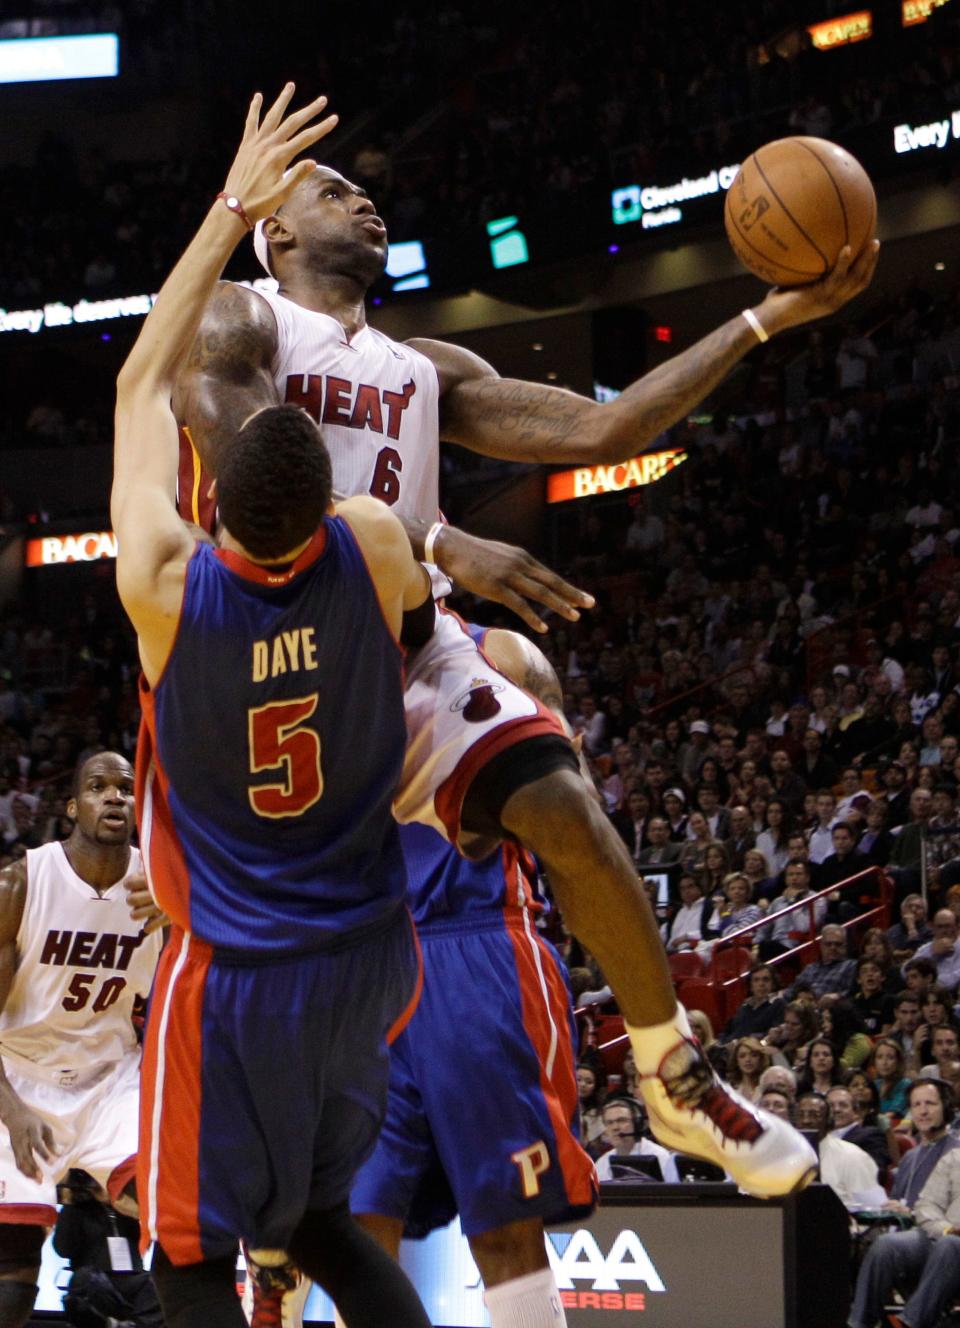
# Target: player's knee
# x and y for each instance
(20, 1251)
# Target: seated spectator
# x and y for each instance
(757, 872)
(821, 1067)
(876, 946)
(689, 924)
(936, 1011)
(622, 1124)
(844, 1029)
(923, 1264)
(906, 1022)
(890, 1258)
(896, 793)
(702, 1028)
(660, 850)
(886, 1067)
(907, 851)
(847, 1169)
(698, 841)
(816, 768)
(872, 1003)
(913, 929)
(779, 1079)
(943, 950)
(632, 825)
(870, 1138)
(787, 786)
(832, 972)
(748, 1060)
(866, 1103)
(800, 1025)
(777, 1103)
(591, 1091)
(742, 838)
(876, 841)
(772, 842)
(736, 911)
(675, 810)
(708, 802)
(854, 798)
(919, 975)
(714, 870)
(787, 930)
(820, 839)
(844, 861)
(761, 1010)
(945, 1045)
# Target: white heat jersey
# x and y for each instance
(81, 963)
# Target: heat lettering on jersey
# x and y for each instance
(290, 652)
(332, 400)
(88, 950)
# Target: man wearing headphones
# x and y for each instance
(927, 1257)
(622, 1127)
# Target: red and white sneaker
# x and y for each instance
(274, 1296)
(693, 1111)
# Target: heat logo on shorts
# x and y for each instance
(479, 703)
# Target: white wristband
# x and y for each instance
(430, 541)
(756, 325)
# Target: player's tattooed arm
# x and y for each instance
(228, 374)
(518, 421)
(30, 1136)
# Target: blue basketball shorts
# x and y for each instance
(264, 1086)
(482, 1112)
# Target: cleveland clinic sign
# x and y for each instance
(656, 205)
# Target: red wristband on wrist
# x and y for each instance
(233, 203)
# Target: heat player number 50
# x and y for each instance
(281, 739)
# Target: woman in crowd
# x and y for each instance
(772, 842)
(759, 803)
(885, 1066)
(821, 1069)
(757, 871)
(876, 946)
(675, 810)
(698, 840)
(844, 1029)
(872, 1002)
(591, 1090)
(748, 1060)
(702, 1028)
(735, 911)
(715, 869)
(798, 1027)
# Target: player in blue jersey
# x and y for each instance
(264, 815)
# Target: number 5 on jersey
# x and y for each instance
(281, 739)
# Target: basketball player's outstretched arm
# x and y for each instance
(30, 1136)
(154, 545)
(519, 421)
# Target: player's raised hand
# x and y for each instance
(259, 177)
(509, 575)
(790, 307)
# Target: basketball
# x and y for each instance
(793, 206)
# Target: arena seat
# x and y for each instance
(732, 962)
(699, 994)
(685, 964)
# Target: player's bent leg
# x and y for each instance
(197, 1295)
(368, 1287)
(596, 886)
(276, 1290)
(20, 1247)
(521, 1290)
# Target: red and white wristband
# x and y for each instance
(233, 203)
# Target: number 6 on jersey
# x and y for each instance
(280, 738)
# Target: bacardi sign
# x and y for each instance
(88, 547)
(588, 481)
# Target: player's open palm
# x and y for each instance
(259, 177)
(30, 1137)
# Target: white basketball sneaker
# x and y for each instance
(693, 1111)
(274, 1295)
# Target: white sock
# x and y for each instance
(652, 1042)
(531, 1301)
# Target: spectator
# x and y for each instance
(844, 1029)
(762, 1009)
(591, 1091)
(660, 851)
(734, 912)
(777, 1103)
(786, 785)
(871, 1002)
(854, 798)
(832, 972)
(742, 838)
(876, 841)
(817, 769)
(621, 1132)
(798, 1027)
(772, 842)
(757, 872)
(748, 1060)
(885, 1065)
(945, 1046)
(847, 1169)
(699, 840)
(821, 837)
(715, 869)
(936, 1010)
(717, 817)
(844, 861)
(870, 1138)
(787, 930)
(821, 1067)
(888, 1259)
(944, 949)
(906, 1022)
(689, 924)
(633, 826)
(779, 1079)
(674, 809)
(895, 793)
